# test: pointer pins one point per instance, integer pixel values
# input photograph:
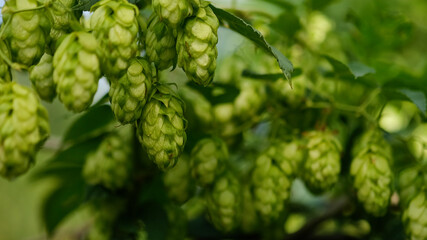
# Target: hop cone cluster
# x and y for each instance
(196, 46)
(372, 174)
(4, 68)
(41, 75)
(110, 165)
(415, 217)
(27, 33)
(160, 43)
(223, 202)
(161, 128)
(129, 94)
(114, 24)
(173, 12)
(207, 159)
(411, 180)
(23, 128)
(271, 179)
(178, 182)
(322, 166)
(62, 17)
(76, 70)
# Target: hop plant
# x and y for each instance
(161, 129)
(223, 202)
(27, 33)
(196, 46)
(110, 165)
(173, 12)
(322, 166)
(414, 217)
(250, 100)
(271, 179)
(41, 75)
(178, 182)
(23, 128)
(372, 174)
(410, 181)
(62, 17)
(4, 67)
(160, 43)
(129, 94)
(207, 160)
(76, 70)
(114, 24)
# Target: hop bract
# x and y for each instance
(129, 94)
(41, 75)
(196, 46)
(114, 23)
(161, 129)
(76, 70)
(411, 180)
(23, 128)
(173, 12)
(4, 68)
(415, 217)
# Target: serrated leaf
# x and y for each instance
(240, 26)
(344, 72)
(417, 97)
(269, 77)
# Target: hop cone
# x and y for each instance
(223, 202)
(207, 159)
(372, 175)
(173, 12)
(114, 23)
(415, 217)
(110, 165)
(76, 70)
(160, 43)
(196, 46)
(322, 165)
(161, 128)
(129, 94)
(271, 179)
(62, 18)
(23, 128)
(410, 181)
(249, 222)
(27, 33)
(41, 75)
(178, 182)
(4, 68)
(250, 100)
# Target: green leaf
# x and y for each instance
(269, 77)
(359, 69)
(288, 24)
(417, 97)
(84, 5)
(217, 93)
(93, 123)
(240, 26)
(350, 72)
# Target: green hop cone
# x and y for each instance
(62, 17)
(129, 94)
(223, 201)
(271, 181)
(41, 75)
(410, 181)
(111, 164)
(173, 12)
(250, 99)
(27, 32)
(322, 166)
(196, 46)
(24, 127)
(207, 160)
(114, 24)
(76, 70)
(4, 67)
(414, 217)
(160, 43)
(161, 128)
(178, 182)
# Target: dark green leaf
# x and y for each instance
(359, 69)
(287, 24)
(227, 92)
(417, 97)
(155, 220)
(240, 26)
(269, 77)
(346, 73)
(93, 123)
(84, 5)
(318, 5)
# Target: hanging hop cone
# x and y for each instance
(250, 99)
(223, 202)
(41, 75)
(322, 166)
(172, 12)
(196, 46)
(207, 160)
(62, 17)
(24, 127)
(414, 217)
(114, 24)
(411, 180)
(27, 32)
(160, 43)
(161, 129)
(178, 182)
(111, 164)
(76, 70)
(271, 179)
(129, 94)
(4, 67)
(372, 174)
